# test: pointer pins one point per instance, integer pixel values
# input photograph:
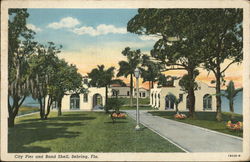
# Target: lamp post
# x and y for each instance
(137, 76)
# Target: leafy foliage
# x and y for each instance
(20, 47)
(175, 100)
(114, 104)
(101, 77)
(128, 67)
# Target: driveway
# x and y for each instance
(188, 137)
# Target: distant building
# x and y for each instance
(124, 91)
(204, 98)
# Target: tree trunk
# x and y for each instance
(131, 90)
(218, 97)
(13, 110)
(11, 121)
(177, 110)
(49, 103)
(40, 100)
(231, 105)
(191, 94)
(59, 104)
(106, 97)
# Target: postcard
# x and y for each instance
(125, 80)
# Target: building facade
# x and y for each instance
(124, 91)
(204, 98)
(93, 98)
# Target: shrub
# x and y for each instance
(113, 104)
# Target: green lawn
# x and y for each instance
(205, 120)
(142, 101)
(134, 108)
(83, 132)
(26, 110)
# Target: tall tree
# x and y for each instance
(128, 67)
(66, 80)
(101, 77)
(180, 35)
(222, 45)
(42, 73)
(20, 47)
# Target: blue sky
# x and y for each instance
(92, 37)
(89, 36)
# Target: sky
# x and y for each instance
(92, 37)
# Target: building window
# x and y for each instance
(140, 94)
(181, 97)
(127, 93)
(113, 92)
(187, 103)
(207, 101)
(74, 101)
(159, 101)
(169, 104)
(85, 97)
(143, 94)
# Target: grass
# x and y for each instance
(205, 120)
(26, 110)
(134, 108)
(83, 132)
(142, 101)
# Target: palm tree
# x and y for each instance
(230, 94)
(103, 78)
(175, 100)
(150, 72)
(128, 67)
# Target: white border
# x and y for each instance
(129, 4)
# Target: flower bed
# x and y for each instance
(236, 127)
(118, 115)
(180, 116)
(115, 116)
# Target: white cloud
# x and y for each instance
(150, 37)
(67, 22)
(101, 29)
(33, 27)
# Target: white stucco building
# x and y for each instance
(124, 91)
(94, 98)
(204, 97)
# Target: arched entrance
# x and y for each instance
(74, 101)
(97, 101)
(169, 104)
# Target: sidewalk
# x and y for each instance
(188, 137)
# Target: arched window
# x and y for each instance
(97, 101)
(187, 103)
(74, 101)
(169, 104)
(207, 101)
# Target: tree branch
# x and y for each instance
(228, 66)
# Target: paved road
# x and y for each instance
(188, 137)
